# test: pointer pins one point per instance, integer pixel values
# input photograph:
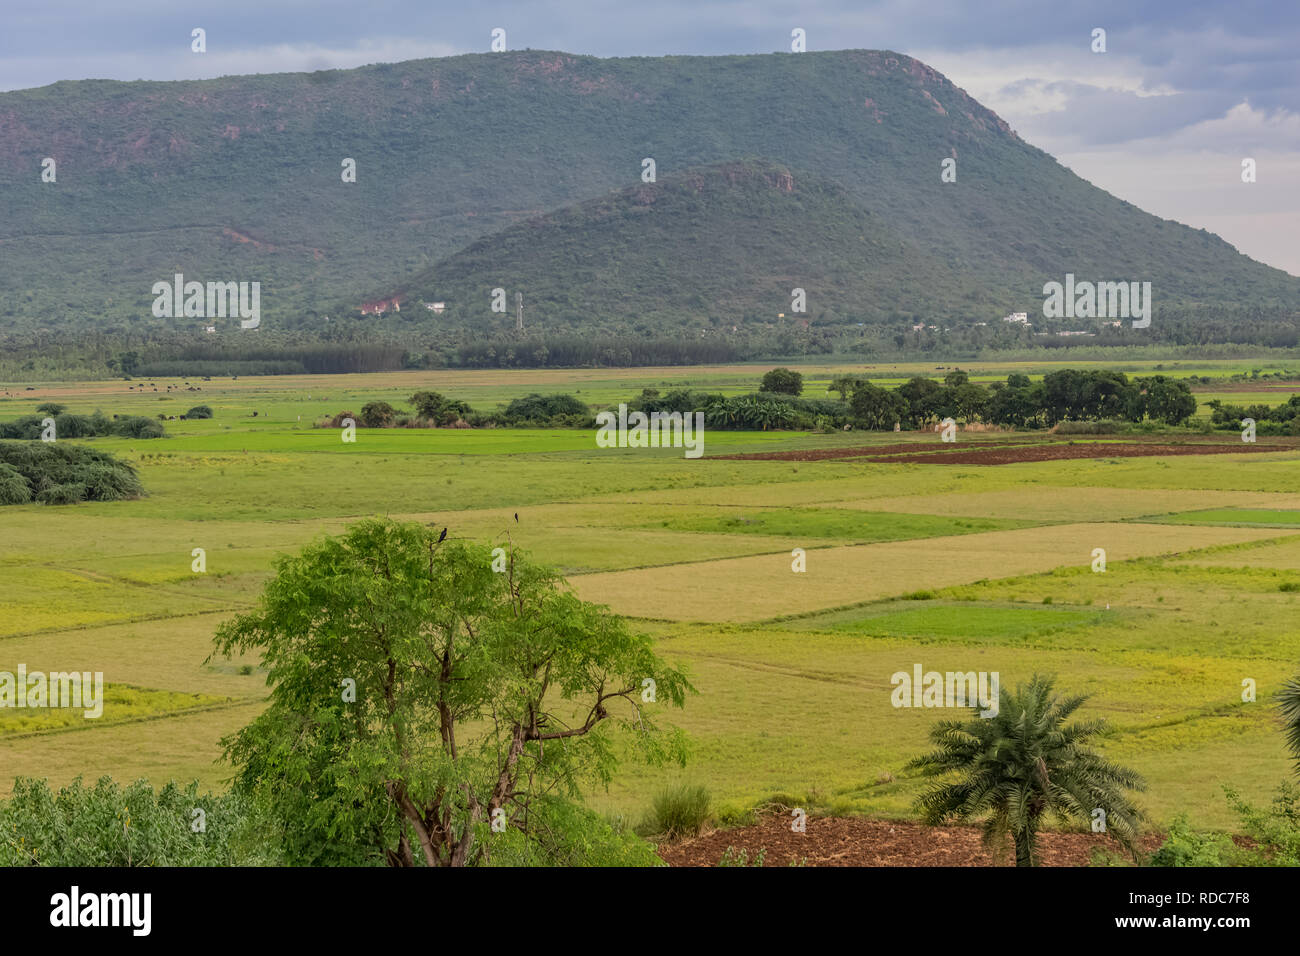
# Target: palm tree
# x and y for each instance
(1288, 700)
(1022, 764)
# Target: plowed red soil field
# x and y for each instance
(848, 841)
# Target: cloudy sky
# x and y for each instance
(1185, 91)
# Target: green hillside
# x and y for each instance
(728, 241)
(239, 179)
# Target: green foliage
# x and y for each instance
(782, 381)
(877, 408)
(377, 415)
(680, 812)
(560, 833)
(68, 425)
(1275, 828)
(58, 473)
(51, 408)
(1274, 831)
(1023, 763)
(199, 411)
(112, 825)
(1103, 427)
(733, 857)
(1288, 701)
(535, 409)
(439, 409)
(64, 494)
(474, 692)
(1186, 847)
(14, 489)
(1281, 419)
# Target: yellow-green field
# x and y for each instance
(954, 567)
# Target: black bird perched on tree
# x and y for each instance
(442, 537)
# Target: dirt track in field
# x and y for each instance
(848, 841)
(998, 453)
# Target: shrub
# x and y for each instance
(538, 409)
(439, 409)
(27, 428)
(112, 825)
(337, 420)
(199, 411)
(137, 426)
(377, 415)
(53, 473)
(567, 835)
(782, 380)
(680, 812)
(14, 489)
(1105, 426)
(51, 408)
(1275, 830)
(65, 494)
(74, 426)
(1185, 847)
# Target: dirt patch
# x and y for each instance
(1000, 453)
(848, 841)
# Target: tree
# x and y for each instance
(783, 381)
(844, 384)
(1024, 763)
(1018, 404)
(921, 396)
(428, 404)
(1288, 699)
(51, 408)
(377, 415)
(418, 696)
(128, 362)
(1167, 400)
(876, 408)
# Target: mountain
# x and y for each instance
(481, 171)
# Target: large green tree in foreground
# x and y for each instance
(434, 702)
(1023, 764)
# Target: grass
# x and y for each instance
(679, 812)
(829, 523)
(793, 669)
(1276, 517)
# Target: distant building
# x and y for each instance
(209, 329)
(1019, 317)
(435, 306)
